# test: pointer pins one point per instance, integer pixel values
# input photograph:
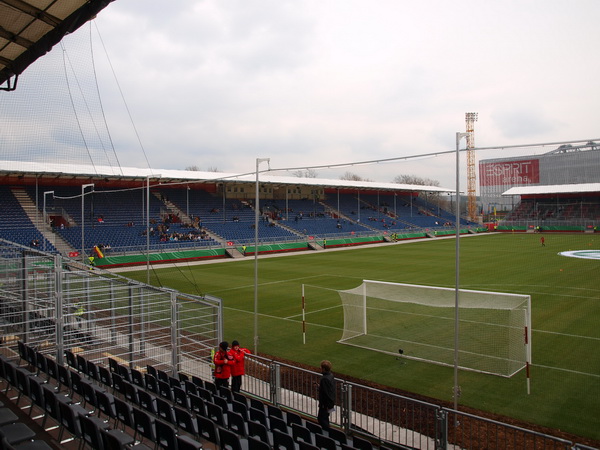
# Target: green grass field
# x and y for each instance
(565, 292)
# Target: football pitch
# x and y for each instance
(565, 299)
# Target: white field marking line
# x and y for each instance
(290, 318)
(567, 370)
(282, 281)
(566, 334)
(483, 286)
(313, 312)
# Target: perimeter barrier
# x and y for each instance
(59, 305)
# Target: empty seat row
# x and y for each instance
(178, 407)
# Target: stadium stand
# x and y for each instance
(183, 218)
(16, 225)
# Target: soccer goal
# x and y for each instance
(418, 322)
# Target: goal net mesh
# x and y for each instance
(419, 322)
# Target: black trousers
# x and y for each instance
(221, 382)
(236, 383)
(323, 418)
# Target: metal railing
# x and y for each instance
(388, 418)
(55, 305)
(58, 304)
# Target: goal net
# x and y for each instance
(419, 322)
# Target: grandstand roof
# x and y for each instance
(75, 171)
(29, 29)
(582, 188)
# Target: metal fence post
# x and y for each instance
(175, 333)
(130, 330)
(345, 414)
(113, 313)
(87, 317)
(275, 383)
(24, 296)
(58, 312)
(441, 438)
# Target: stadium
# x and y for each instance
(117, 283)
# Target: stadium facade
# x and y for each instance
(566, 165)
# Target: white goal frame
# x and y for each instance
(517, 309)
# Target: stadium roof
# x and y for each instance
(30, 28)
(81, 172)
(583, 188)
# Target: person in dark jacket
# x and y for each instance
(326, 394)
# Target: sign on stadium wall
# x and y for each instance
(509, 173)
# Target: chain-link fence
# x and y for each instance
(56, 304)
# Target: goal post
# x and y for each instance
(418, 322)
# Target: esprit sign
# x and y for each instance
(510, 173)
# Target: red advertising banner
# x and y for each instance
(509, 173)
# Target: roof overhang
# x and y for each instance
(29, 29)
(86, 172)
(583, 188)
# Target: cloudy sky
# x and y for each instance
(218, 83)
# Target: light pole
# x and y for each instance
(256, 213)
(148, 225)
(459, 136)
(83, 186)
(44, 214)
(148, 229)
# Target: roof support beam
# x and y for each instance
(34, 12)
(26, 43)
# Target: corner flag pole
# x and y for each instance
(303, 317)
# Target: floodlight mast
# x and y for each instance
(256, 213)
(470, 119)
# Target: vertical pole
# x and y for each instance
(364, 307)
(44, 215)
(528, 342)
(303, 317)
(256, 207)
(83, 186)
(224, 203)
(113, 313)
(148, 229)
(60, 321)
(256, 213)
(130, 328)
(287, 203)
(37, 202)
(175, 333)
(457, 270)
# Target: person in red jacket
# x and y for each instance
(223, 364)
(238, 369)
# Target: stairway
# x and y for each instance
(36, 218)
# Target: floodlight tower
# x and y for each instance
(470, 119)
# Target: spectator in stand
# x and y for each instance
(223, 362)
(238, 369)
(326, 395)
